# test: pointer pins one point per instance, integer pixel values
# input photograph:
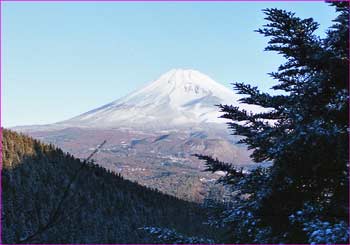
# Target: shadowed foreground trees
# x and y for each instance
(100, 207)
(303, 197)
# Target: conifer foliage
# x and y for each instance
(302, 132)
(49, 196)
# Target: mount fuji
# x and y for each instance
(178, 98)
(153, 133)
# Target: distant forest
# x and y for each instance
(39, 205)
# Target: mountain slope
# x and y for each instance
(100, 207)
(159, 160)
(179, 98)
(153, 133)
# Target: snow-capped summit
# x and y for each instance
(177, 87)
(177, 98)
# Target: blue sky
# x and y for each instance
(62, 59)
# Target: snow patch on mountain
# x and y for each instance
(177, 98)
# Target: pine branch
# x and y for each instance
(214, 165)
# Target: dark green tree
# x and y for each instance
(49, 196)
(302, 131)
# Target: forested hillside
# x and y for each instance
(51, 197)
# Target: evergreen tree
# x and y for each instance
(44, 200)
(303, 131)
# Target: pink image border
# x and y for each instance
(102, 1)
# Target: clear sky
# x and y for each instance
(62, 59)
